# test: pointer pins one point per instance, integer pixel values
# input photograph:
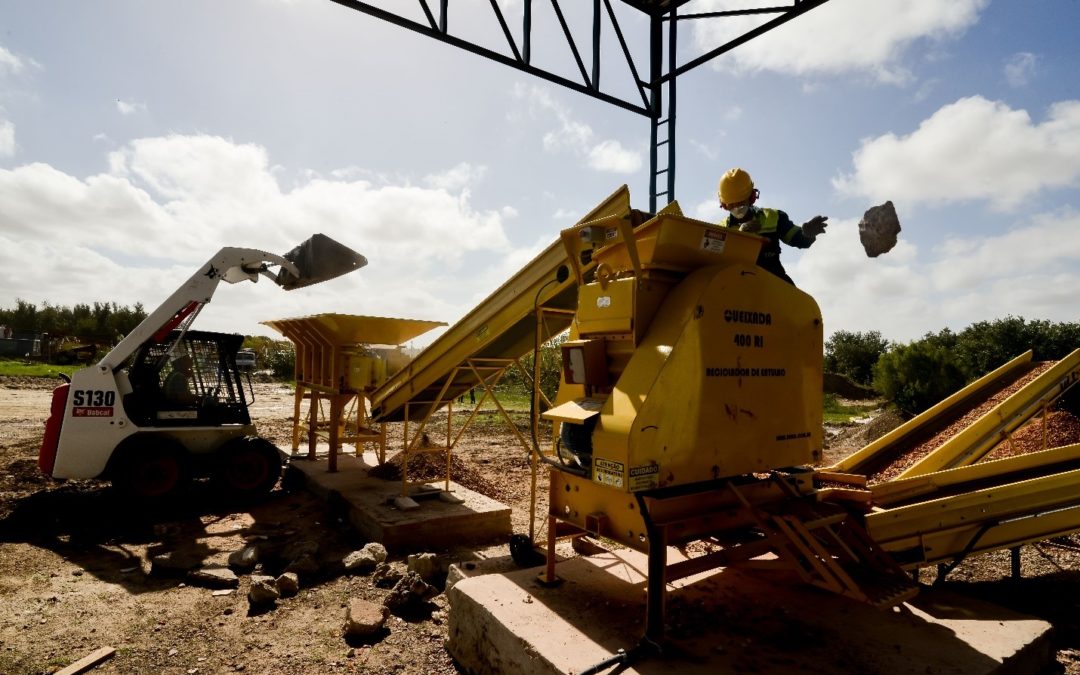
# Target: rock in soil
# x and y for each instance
(410, 590)
(364, 618)
(424, 564)
(305, 564)
(386, 575)
(288, 584)
(244, 559)
(213, 577)
(263, 591)
(300, 548)
(366, 559)
(172, 563)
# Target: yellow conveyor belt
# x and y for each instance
(502, 326)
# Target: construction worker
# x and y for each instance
(737, 197)
(178, 383)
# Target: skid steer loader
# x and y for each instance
(168, 404)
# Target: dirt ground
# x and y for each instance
(76, 573)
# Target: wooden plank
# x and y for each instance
(87, 662)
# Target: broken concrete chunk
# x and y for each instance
(411, 589)
(387, 574)
(172, 563)
(288, 584)
(376, 551)
(244, 559)
(364, 618)
(366, 559)
(263, 591)
(424, 564)
(302, 547)
(213, 577)
(304, 565)
(878, 229)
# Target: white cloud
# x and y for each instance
(1020, 68)
(461, 176)
(577, 137)
(10, 64)
(612, 157)
(1048, 244)
(925, 89)
(971, 149)
(841, 36)
(135, 233)
(708, 210)
(704, 149)
(7, 138)
(130, 107)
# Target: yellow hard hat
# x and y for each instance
(735, 186)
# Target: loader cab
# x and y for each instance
(188, 380)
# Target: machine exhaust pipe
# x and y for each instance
(318, 259)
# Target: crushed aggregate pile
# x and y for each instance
(913, 455)
(1062, 428)
(429, 466)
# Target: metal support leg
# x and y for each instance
(313, 426)
(1014, 558)
(549, 568)
(657, 584)
(335, 432)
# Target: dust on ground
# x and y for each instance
(75, 571)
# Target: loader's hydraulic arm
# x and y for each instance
(317, 259)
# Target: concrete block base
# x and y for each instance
(731, 621)
(434, 523)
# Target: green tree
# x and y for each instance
(103, 322)
(550, 369)
(985, 345)
(854, 354)
(918, 375)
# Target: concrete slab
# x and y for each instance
(436, 523)
(729, 622)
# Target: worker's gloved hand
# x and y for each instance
(815, 226)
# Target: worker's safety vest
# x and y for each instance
(769, 220)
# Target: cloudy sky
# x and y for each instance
(138, 137)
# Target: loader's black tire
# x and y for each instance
(247, 467)
(151, 470)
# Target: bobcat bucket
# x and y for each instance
(319, 259)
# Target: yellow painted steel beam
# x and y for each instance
(502, 325)
(1002, 470)
(972, 539)
(929, 419)
(971, 444)
(1013, 501)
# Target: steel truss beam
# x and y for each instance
(646, 98)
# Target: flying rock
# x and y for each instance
(878, 229)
